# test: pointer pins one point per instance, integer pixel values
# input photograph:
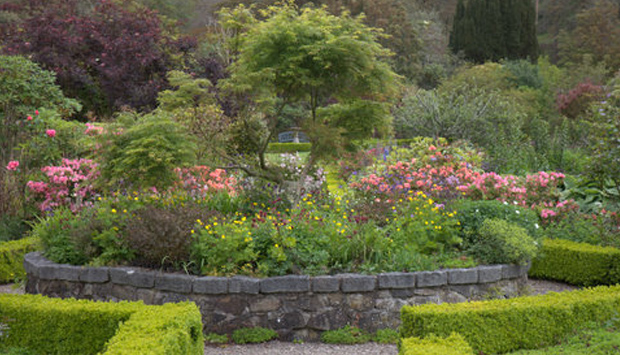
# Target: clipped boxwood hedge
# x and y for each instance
(434, 345)
(280, 148)
(55, 326)
(12, 258)
(500, 326)
(577, 263)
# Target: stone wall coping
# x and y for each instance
(38, 266)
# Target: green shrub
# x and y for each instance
(576, 229)
(386, 336)
(173, 328)
(472, 214)
(592, 340)
(346, 335)
(503, 242)
(577, 263)
(54, 326)
(433, 345)
(214, 338)
(42, 324)
(253, 335)
(500, 326)
(16, 351)
(12, 228)
(143, 151)
(12, 258)
(280, 148)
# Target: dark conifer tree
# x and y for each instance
(495, 29)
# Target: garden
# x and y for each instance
(410, 166)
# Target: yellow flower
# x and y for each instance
(277, 246)
(223, 236)
(124, 211)
(192, 231)
(113, 210)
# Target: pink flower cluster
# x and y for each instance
(402, 177)
(93, 130)
(529, 191)
(12, 165)
(201, 180)
(51, 133)
(537, 191)
(69, 184)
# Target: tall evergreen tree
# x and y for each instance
(495, 29)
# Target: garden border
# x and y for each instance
(297, 306)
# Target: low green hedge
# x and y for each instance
(280, 148)
(577, 263)
(500, 326)
(12, 258)
(55, 326)
(434, 345)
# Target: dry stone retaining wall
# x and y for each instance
(297, 306)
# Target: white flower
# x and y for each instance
(517, 211)
(505, 203)
(536, 225)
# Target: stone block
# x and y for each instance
(211, 285)
(396, 280)
(431, 278)
(47, 272)
(325, 284)
(32, 262)
(357, 283)
(290, 320)
(266, 304)
(174, 282)
(489, 273)
(462, 276)
(136, 278)
(289, 283)
(514, 271)
(67, 272)
(94, 274)
(243, 284)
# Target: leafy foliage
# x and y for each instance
(502, 242)
(111, 57)
(347, 335)
(143, 151)
(472, 214)
(253, 335)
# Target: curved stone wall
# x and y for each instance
(297, 306)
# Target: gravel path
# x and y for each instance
(278, 347)
(535, 287)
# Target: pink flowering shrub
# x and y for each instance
(92, 130)
(201, 180)
(435, 173)
(70, 184)
(12, 165)
(538, 191)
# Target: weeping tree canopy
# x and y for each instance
(330, 66)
